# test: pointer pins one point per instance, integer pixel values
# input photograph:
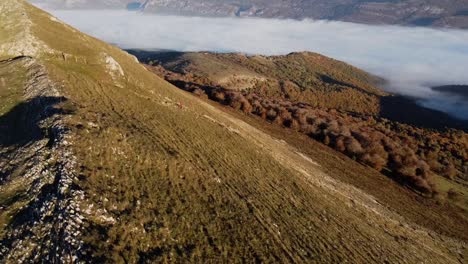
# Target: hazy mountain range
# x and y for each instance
(437, 13)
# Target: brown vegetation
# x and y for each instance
(299, 77)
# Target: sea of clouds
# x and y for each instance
(412, 59)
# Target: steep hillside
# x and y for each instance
(103, 162)
(333, 103)
(438, 13)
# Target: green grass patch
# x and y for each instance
(12, 80)
(451, 191)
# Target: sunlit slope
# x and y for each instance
(122, 167)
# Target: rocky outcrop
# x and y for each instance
(39, 201)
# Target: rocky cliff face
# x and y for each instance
(437, 13)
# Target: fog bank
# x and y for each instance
(412, 59)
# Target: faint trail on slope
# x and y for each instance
(354, 198)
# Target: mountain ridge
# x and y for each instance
(435, 13)
(121, 166)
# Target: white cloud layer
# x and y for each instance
(412, 59)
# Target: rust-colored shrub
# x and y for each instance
(450, 171)
(435, 165)
(339, 144)
(246, 106)
(373, 160)
(198, 92)
(234, 100)
(353, 147)
(219, 96)
(420, 184)
(271, 115)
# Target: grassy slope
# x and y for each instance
(12, 79)
(168, 177)
(436, 214)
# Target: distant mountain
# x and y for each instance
(434, 13)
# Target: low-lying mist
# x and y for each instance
(412, 59)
